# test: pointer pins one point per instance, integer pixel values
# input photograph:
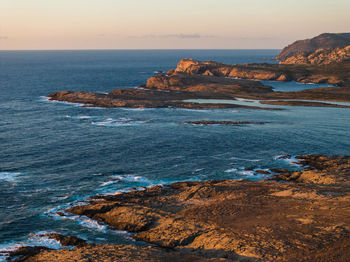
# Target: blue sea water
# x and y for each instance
(55, 154)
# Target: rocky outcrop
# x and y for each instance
(211, 68)
(129, 253)
(197, 83)
(267, 220)
(170, 91)
(306, 218)
(323, 41)
(277, 72)
(193, 79)
(301, 103)
(67, 240)
(320, 56)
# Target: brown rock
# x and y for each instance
(266, 220)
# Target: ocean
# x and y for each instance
(56, 154)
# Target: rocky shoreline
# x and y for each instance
(292, 215)
(193, 79)
(305, 218)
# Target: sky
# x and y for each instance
(165, 24)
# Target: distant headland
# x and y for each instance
(323, 59)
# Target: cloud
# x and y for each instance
(178, 36)
(3, 37)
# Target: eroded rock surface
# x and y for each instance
(320, 56)
(326, 40)
(337, 74)
(303, 220)
(306, 218)
(194, 79)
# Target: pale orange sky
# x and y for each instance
(163, 24)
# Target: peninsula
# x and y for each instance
(193, 79)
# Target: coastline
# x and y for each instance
(307, 214)
(193, 80)
(169, 220)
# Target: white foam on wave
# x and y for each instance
(127, 178)
(292, 161)
(251, 174)
(122, 121)
(36, 239)
(245, 159)
(11, 177)
(247, 173)
(194, 110)
(231, 170)
(82, 117)
(91, 224)
(135, 109)
(132, 178)
(47, 99)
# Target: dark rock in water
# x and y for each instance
(265, 172)
(212, 122)
(284, 157)
(67, 240)
(25, 253)
(276, 170)
(326, 40)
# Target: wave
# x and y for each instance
(132, 178)
(47, 99)
(85, 221)
(11, 177)
(194, 110)
(122, 121)
(290, 160)
(79, 117)
(231, 170)
(245, 159)
(34, 239)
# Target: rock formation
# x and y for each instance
(306, 218)
(323, 41)
(320, 56)
(193, 79)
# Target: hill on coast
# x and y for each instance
(324, 41)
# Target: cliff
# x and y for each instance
(323, 41)
(320, 56)
(312, 73)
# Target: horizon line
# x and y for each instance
(140, 49)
